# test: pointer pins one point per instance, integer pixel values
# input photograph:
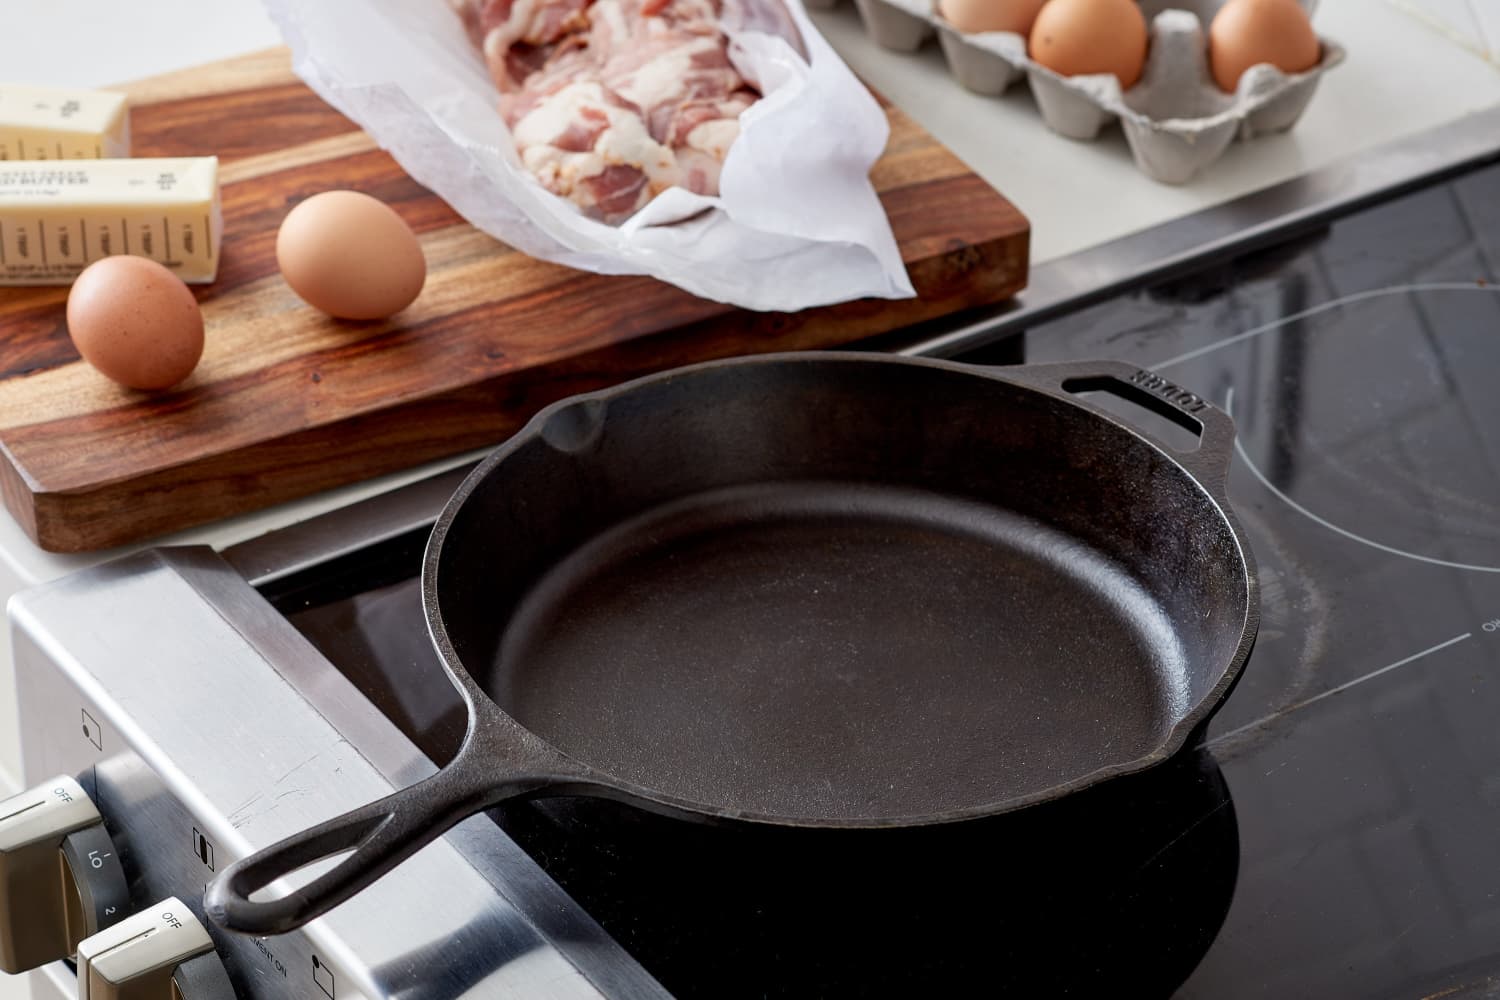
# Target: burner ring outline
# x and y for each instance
(1322, 307)
(1239, 448)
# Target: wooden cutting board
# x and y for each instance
(287, 402)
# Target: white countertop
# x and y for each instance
(1401, 77)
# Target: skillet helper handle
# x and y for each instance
(381, 835)
(1209, 462)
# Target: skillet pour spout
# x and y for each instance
(819, 592)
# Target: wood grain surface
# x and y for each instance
(287, 401)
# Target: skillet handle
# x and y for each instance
(381, 835)
(1209, 462)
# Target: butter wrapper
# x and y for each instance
(48, 123)
(796, 224)
(59, 216)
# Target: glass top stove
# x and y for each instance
(1337, 831)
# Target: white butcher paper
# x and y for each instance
(796, 223)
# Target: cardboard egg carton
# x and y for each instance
(1176, 119)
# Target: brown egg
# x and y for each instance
(136, 322)
(1245, 33)
(350, 256)
(970, 16)
(1079, 37)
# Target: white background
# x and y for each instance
(1402, 76)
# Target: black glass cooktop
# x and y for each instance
(1338, 831)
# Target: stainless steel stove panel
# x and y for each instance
(164, 700)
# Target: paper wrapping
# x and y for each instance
(796, 223)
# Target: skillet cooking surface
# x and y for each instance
(813, 590)
(828, 649)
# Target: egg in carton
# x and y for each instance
(1176, 119)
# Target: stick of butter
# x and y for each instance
(56, 218)
(44, 123)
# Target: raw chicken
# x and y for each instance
(612, 102)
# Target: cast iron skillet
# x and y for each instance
(814, 590)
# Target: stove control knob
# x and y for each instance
(162, 953)
(60, 877)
